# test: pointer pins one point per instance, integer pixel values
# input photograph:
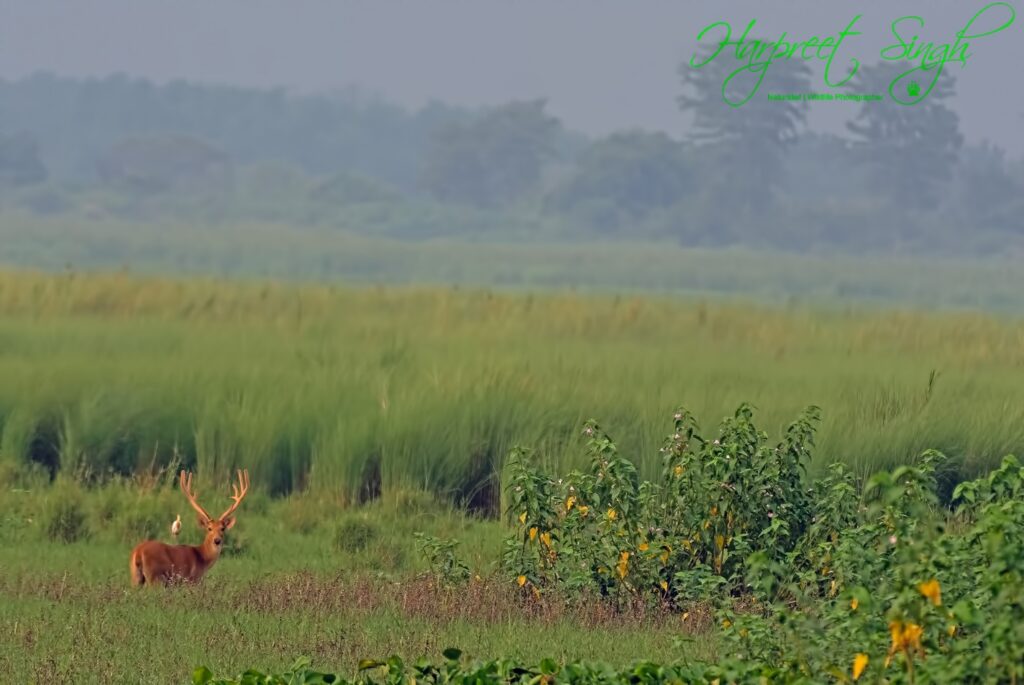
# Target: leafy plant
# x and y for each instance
(440, 556)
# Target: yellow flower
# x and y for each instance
(896, 633)
(686, 615)
(644, 547)
(932, 591)
(546, 539)
(951, 629)
(612, 514)
(584, 509)
(533, 533)
(860, 662)
(854, 604)
(569, 502)
(679, 470)
(912, 635)
(664, 586)
(905, 637)
(623, 565)
(714, 510)
(726, 623)
(521, 580)
(522, 517)
(665, 551)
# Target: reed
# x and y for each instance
(351, 392)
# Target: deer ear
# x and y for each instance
(229, 523)
(203, 521)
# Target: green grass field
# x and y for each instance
(530, 261)
(350, 391)
(299, 578)
(364, 413)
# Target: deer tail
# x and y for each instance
(135, 568)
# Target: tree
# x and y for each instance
(749, 140)
(20, 164)
(347, 188)
(161, 163)
(911, 150)
(624, 177)
(988, 194)
(493, 159)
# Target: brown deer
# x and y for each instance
(154, 562)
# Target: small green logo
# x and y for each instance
(913, 90)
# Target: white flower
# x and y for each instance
(892, 539)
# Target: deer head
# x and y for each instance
(215, 527)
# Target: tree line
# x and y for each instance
(901, 177)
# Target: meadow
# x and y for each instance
(365, 414)
(347, 392)
(298, 579)
(512, 259)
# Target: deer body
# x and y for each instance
(157, 563)
(154, 562)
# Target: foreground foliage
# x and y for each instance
(453, 670)
(809, 579)
(825, 581)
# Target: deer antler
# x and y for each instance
(186, 487)
(239, 493)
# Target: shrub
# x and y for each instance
(809, 582)
(685, 536)
(147, 518)
(304, 515)
(354, 534)
(64, 519)
(441, 559)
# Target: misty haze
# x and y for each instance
(353, 124)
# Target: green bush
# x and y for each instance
(354, 534)
(441, 558)
(808, 580)
(148, 518)
(64, 519)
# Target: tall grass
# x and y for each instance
(351, 392)
(507, 261)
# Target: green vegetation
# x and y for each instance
(363, 415)
(310, 254)
(808, 578)
(358, 392)
(284, 587)
(835, 579)
(126, 150)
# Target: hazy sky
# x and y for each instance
(603, 64)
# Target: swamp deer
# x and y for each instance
(154, 562)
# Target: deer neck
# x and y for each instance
(208, 553)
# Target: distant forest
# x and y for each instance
(902, 179)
